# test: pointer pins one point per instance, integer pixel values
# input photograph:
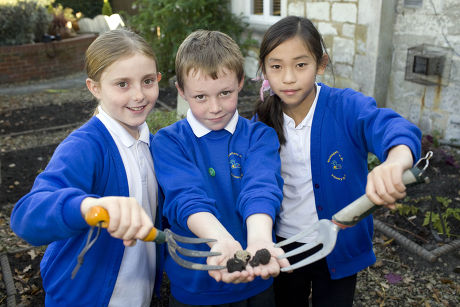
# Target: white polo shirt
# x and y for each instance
(298, 210)
(136, 277)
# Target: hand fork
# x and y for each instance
(347, 217)
(98, 216)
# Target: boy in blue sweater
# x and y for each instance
(220, 175)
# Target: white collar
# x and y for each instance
(201, 130)
(122, 134)
(308, 120)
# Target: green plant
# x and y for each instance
(159, 119)
(165, 24)
(405, 210)
(372, 161)
(89, 8)
(106, 8)
(440, 220)
(23, 21)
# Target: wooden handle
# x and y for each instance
(99, 216)
(362, 207)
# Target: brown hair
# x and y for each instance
(111, 46)
(208, 51)
(270, 110)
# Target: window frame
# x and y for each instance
(266, 18)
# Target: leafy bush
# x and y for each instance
(106, 8)
(89, 8)
(159, 119)
(23, 21)
(165, 24)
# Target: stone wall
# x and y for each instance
(43, 60)
(369, 42)
(434, 107)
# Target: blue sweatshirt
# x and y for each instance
(86, 164)
(346, 126)
(229, 175)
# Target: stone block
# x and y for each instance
(318, 10)
(344, 12)
(100, 23)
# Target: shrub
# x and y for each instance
(160, 119)
(23, 21)
(106, 8)
(89, 8)
(165, 24)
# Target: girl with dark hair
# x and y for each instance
(326, 134)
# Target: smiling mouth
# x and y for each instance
(136, 108)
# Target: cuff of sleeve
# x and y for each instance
(414, 147)
(72, 212)
(195, 209)
(261, 206)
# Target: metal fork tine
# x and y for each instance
(190, 252)
(313, 258)
(190, 240)
(298, 236)
(301, 249)
(191, 265)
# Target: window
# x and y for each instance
(265, 11)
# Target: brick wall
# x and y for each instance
(43, 60)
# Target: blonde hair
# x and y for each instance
(111, 46)
(209, 52)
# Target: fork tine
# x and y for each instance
(192, 265)
(301, 249)
(301, 234)
(188, 239)
(190, 252)
(313, 258)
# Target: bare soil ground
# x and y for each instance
(399, 277)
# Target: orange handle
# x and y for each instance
(96, 215)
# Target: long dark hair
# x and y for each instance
(270, 111)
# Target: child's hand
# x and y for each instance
(384, 183)
(227, 248)
(271, 269)
(128, 220)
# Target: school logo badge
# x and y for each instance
(235, 165)
(335, 163)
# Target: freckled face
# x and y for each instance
(291, 70)
(128, 90)
(212, 102)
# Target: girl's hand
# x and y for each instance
(271, 269)
(227, 248)
(384, 182)
(128, 220)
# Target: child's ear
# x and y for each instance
(180, 91)
(240, 85)
(93, 87)
(322, 64)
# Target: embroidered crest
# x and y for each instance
(335, 162)
(235, 165)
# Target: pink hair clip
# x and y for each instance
(265, 87)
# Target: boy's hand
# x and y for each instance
(128, 220)
(384, 182)
(271, 269)
(227, 248)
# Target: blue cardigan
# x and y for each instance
(346, 126)
(230, 176)
(87, 163)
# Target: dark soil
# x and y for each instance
(19, 169)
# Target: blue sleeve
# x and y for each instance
(51, 210)
(180, 179)
(262, 184)
(380, 128)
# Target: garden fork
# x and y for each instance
(347, 217)
(98, 216)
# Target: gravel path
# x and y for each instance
(398, 278)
